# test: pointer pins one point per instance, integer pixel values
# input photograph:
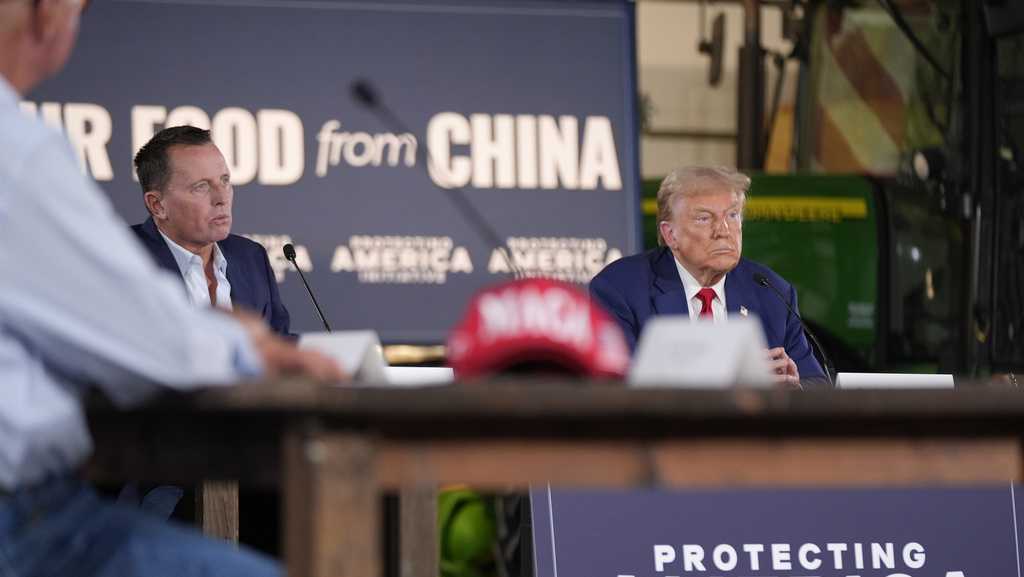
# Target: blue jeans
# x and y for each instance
(62, 527)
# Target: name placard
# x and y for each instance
(674, 351)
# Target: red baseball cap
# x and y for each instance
(536, 321)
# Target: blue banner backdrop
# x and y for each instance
(778, 533)
(527, 105)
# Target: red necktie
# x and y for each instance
(706, 295)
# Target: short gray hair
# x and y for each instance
(692, 180)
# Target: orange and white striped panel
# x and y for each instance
(863, 75)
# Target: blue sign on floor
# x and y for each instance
(778, 533)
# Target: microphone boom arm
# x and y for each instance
(364, 93)
(829, 367)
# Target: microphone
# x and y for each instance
(289, 253)
(829, 367)
(364, 93)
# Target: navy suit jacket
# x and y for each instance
(252, 280)
(635, 288)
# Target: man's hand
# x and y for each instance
(282, 357)
(783, 368)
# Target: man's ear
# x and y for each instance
(154, 200)
(668, 233)
(46, 19)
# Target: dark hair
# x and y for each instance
(151, 162)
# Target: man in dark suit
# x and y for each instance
(698, 271)
(187, 189)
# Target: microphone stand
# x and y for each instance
(289, 253)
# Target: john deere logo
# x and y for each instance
(806, 209)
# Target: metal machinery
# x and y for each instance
(906, 243)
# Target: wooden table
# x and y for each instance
(333, 451)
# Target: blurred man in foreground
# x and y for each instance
(187, 190)
(698, 271)
(81, 303)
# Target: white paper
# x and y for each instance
(358, 352)
(419, 376)
(893, 381)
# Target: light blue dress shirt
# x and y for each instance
(191, 266)
(81, 302)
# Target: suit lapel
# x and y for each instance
(738, 293)
(667, 294)
(159, 249)
(241, 291)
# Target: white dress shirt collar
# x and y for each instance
(691, 287)
(186, 258)
(190, 265)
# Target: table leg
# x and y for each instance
(217, 509)
(331, 505)
(418, 538)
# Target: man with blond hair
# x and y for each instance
(698, 271)
(82, 304)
